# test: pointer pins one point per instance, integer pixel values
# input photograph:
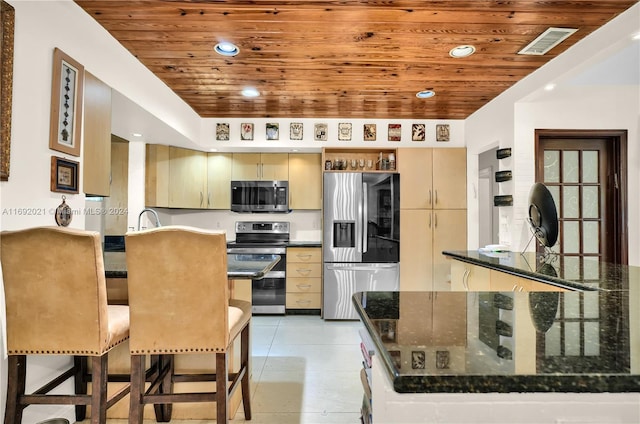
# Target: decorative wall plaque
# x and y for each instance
(418, 132)
(222, 132)
(295, 130)
(320, 132)
(344, 131)
(369, 132)
(395, 132)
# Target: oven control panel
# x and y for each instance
(271, 227)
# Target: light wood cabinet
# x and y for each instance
(416, 250)
(187, 178)
(117, 203)
(219, 166)
(433, 215)
(305, 181)
(304, 278)
(503, 281)
(96, 152)
(156, 193)
(260, 166)
(468, 277)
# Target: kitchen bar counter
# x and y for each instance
(565, 272)
(502, 357)
(238, 266)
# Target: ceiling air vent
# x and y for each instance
(547, 40)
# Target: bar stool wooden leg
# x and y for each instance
(80, 383)
(166, 386)
(99, 389)
(222, 393)
(17, 373)
(244, 361)
(136, 407)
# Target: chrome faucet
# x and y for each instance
(155, 214)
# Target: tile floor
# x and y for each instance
(305, 371)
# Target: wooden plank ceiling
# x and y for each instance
(343, 58)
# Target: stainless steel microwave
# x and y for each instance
(260, 196)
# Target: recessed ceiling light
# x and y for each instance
(226, 49)
(549, 87)
(425, 94)
(636, 37)
(136, 134)
(250, 92)
(462, 51)
(213, 150)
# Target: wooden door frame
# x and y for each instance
(619, 198)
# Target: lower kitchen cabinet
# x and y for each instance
(468, 277)
(304, 278)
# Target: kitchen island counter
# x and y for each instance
(581, 347)
(565, 272)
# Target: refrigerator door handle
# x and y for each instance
(365, 217)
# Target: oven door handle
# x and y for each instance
(257, 250)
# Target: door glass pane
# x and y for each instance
(555, 193)
(570, 168)
(571, 268)
(570, 204)
(591, 305)
(572, 306)
(552, 340)
(592, 338)
(590, 166)
(551, 166)
(591, 237)
(590, 203)
(591, 268)
(572, 338)
(571, 237)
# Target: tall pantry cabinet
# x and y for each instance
(433, 214)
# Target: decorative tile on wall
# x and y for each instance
(246, 131)
(222, 132)
(344, 131)
(321, 132)
(369, 132)
(295, 130)
(273, 131)
(442, 132)
(418, 132)
(395, 132)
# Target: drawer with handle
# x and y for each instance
(303, 301)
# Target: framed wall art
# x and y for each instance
(395, 132)
(418, 132)
(273, 131)
(6, 86)
(442, 132)
(344, 131)
(222, 132)
(64, 175)
(66, 104)
(246, 131)
(369, 132)
(295, 130)
(320, 132)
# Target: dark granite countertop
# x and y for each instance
(564, 271)
(238, 266)
(482, 342)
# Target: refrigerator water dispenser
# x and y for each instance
(344, 234)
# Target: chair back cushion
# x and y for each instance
(55, 292)
(178, 290)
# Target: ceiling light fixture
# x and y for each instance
(425, 94)
(136, 134)
(462, 51)
(250, 92)
(226, 49)
(636, 37)
(549, 87)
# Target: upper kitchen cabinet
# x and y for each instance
(305, 181)
(117, 203)
(96, 152)
(156, 191)
(436, 178)
(219, 168)
(187, 178)
(260, 166)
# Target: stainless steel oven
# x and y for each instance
(268, 294)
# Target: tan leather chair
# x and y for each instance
(179, 300)
(56, 302)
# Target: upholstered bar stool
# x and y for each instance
(56, 304)
(179, 304)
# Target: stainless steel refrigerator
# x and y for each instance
(361, 238)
